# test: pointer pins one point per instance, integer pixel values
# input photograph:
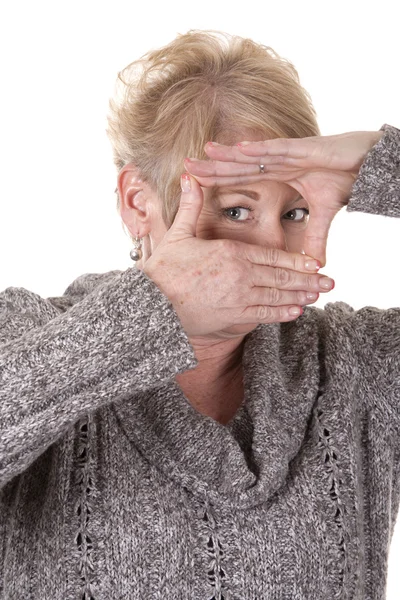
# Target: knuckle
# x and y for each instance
(298, 263)
(273, 255)
(275, 296)
(213, 168)
(311, 282)
(301, 298)
(285, 148)
(186, 202)
(283, 277)
(264, 313)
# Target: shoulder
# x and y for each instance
(82, 286)
(22, 309)
(368, 331)
(14, 298)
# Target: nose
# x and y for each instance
(274, 238)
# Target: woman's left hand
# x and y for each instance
(321, 168)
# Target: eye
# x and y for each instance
(297, 215)
(237, 213)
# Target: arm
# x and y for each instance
(359, 169)
(322, 169)
(377, 331)
(377, 187)
(56, 366)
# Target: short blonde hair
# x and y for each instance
(203, 86)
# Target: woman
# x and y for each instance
(172, 431)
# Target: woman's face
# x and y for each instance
(269, 213)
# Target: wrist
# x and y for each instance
(375, 137)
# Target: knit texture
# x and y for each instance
(114, 487)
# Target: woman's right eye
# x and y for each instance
(237, 213)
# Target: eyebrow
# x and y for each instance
(248, 193)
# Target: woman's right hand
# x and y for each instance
(216, 284)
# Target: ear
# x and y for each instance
(135, 197)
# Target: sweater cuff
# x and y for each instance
(140, 308)
(377, 187)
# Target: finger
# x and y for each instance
(276, 297)
(213, 168)
(286, 279)
(298, 148)
(274, 257)
(221, 181)
(234, 154)
(190, 206)
(268, 314)
(316, 234)
(226, 153)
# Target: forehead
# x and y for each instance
(233, 135)
(271, 191)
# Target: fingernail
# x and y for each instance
(185, 182)
(295, 311)
(243, 144)
(326, 283)
(192, 159)
(312, 296)
(213, 144)
(312, 265)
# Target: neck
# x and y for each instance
(215, 386)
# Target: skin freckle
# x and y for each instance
(214, 272)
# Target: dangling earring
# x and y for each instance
(136, 252)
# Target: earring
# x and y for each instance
(136, 252)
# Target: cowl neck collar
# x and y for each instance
(245, 462)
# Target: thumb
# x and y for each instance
(316, 235)
(190, 206)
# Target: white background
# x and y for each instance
(58, 64)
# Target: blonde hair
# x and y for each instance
(203, 86)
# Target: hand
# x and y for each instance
(216, 284)
(322, 169)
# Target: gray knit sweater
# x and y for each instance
(114, 487)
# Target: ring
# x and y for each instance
(261, 167)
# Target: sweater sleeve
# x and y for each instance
(62, 358)
(377, 187)
(377, 331)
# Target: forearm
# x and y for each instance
(120, 340)
(377, 188)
